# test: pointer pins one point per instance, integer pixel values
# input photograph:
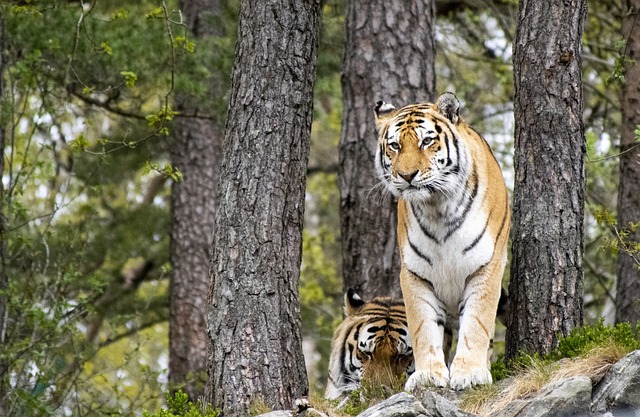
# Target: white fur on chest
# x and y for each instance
(451, 256)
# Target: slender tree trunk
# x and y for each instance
(548, 200)
(196, 152)
(4, 280)
(254, 307)
(390, 56)
(628, 291)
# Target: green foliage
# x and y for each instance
(499, 369)
(180, 406)
(580, 342)
(584, 339)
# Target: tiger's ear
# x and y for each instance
(352, 302)
(383, 112)
(448, 106)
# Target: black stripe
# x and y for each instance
(429, 283)
(418, 251)
(446, 143)
(440, 311)
(477, 239)
(424, 229)
(458, 221)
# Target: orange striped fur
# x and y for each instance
(372, 342)
(453, 228)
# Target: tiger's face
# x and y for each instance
(383, 352)
(371, 344)
(418, 149)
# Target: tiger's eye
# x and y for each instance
(394, 146)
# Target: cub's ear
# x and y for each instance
(352, 302)
(448, 106)
(383, 112)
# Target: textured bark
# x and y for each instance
(254, 312)
(628, 292)
(4, 377)
(196, 152)
(548, 199)
(389, 55)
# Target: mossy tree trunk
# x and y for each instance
(254, 311)
(390, 56)
(548, 199)
(628, 289)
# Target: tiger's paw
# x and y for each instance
(423, 379)
(463, 377)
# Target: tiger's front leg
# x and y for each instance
(425, 319)
(470, 365)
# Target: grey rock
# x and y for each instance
(279, 413)
(567, 397)
(439, 406)
(399, 405)
(619, 390)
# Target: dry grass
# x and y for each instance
(527, 383)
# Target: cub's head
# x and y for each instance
(419, 148)
(372, 344)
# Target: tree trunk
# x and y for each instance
(4, 282)
(254, 311)
(196, 152)
(628, 291)
(548, 198)
(390, 56)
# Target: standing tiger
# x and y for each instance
(453, 227)
(371, 343)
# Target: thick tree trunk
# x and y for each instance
(390, 56)
(254, 312)
(196, 152)
(628, 292)
(548, 200)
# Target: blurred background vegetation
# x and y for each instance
(86, 122)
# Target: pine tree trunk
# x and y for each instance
(389, 56)
(196, 152)
(628, 291)
(254, 311)
(4, 281)
(548, 200)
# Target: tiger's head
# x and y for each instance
(419, 150)
(371, 344)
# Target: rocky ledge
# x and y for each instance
(616, 394)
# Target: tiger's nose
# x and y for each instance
(408, 177)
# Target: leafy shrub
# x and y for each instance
(583, 339)
(180, 406)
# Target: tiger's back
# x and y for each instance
(372, 342)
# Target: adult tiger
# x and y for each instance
(453, 227)
(372, 343)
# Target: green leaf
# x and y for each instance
(130, 78)
(106, 48)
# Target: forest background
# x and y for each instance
(92, 96)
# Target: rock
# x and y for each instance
(619, 390)
(399, 405)
(567, 397)
(279, 413)
(439, 406)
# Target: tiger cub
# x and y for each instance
(453, 227)
(371, 343)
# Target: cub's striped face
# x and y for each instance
(372, 343)
(418, 148)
